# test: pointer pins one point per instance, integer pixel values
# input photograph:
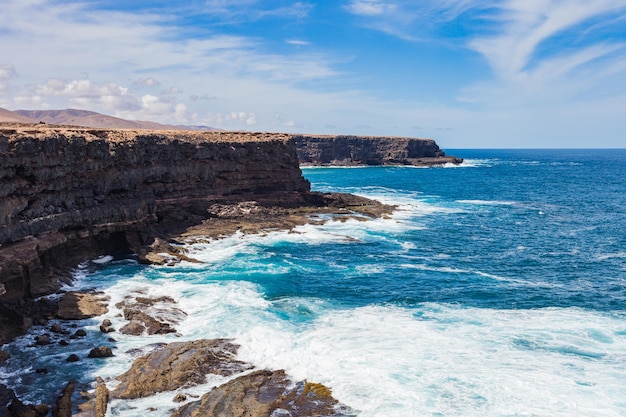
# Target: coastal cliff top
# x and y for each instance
(13, 131)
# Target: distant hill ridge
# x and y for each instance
(86, 118)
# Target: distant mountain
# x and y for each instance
(86, 118)
(11, 116)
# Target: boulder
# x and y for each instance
(106, 326)
(101, 352)
(178, 365)
(150, 315)
(265, 393)
(80, 305)
(141, 322)
(79, 333)
(72, 358)
(179, 398)
(42, 340)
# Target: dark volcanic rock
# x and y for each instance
(362, 150)
(42, 340)
(100, 352)
(80, 333)
(3, 356)
(262, 394)
(6, 397)
(64, 402)
(71, 194)
(178, 365)
(106, 326)
(72, 358)
(19, 409)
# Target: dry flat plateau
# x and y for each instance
(68, 194)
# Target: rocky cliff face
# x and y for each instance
(58, 178)
(68, 194)
(360, 150)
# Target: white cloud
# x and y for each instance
(251, 10)
(180, 112)
(112, 60)
(147, 81)
(7, 72)
(525, 24)
(370, 7)
(297, 42)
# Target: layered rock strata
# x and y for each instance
(361, 150)
(68, 194)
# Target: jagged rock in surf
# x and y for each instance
(265, 393)
(178, 365)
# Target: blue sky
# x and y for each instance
(495, 73)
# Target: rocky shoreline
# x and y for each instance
(71, 194)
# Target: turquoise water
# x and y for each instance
(497, 288)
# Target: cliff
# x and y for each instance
(361, 150)
(68, 194)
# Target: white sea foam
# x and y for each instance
(102, 260)
(449, 270)
(474, 163)
(390, 361)
(452, 361)
(616, 255)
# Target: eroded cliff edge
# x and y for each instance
(68, 194)
(342, 150)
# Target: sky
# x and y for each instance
(469, 74)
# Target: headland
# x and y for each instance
(68, 194)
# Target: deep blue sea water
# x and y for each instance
(497, 288)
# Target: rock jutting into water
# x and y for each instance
(341, 150)
(70, 194)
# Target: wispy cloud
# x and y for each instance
(110, 59)
(532, 46)
(7, 72)
(251, 10)
(525, 25)
(297, 42)
(408, 19)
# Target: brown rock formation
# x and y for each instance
(100, 352)
(150, 315)
(70, 194)
(178, 365)
(262, 394)
(64, 402)
(360, 150)
(97, 402)
(80, 305)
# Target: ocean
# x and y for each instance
(497, 288)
